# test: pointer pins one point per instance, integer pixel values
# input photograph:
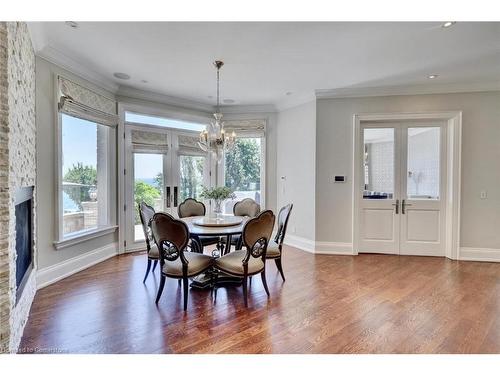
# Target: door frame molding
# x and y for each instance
(453, 163)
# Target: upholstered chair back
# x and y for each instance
(283, 217)
(246, 207)
(191, 207)
(257, 233)
(171, 236)
(146, 213)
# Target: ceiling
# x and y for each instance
(277, 62)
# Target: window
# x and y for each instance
(163, 122)
(84, 176)
(243, 170)
(191, 175)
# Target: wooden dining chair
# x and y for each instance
(275, 247)
(172, 237)
(146, 213)
(192, 207)
(249, 208)
(252, 261)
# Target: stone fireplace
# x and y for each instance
(18, 240)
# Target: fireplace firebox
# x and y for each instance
(24, 237)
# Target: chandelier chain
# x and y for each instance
(218, 70)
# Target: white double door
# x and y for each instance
(403, 187)
(163, 168)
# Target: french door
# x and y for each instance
(403, 186)
(163, 168)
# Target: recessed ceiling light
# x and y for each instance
(121, 75)
(228, 101)
(432, 76)
(72, 24)
(448, 24)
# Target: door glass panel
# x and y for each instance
(423, 163)
(242, 167)
(378, 163)
(191, 176)
(148, 186)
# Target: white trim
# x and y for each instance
(479, 254)
(154, 97)
(84, 236)
(295, 100)
(59, 271)
(449, 88)
(453, 161)
(300, 243)
(333, 248)
(58, 58)
(319, 247)
(251, 108)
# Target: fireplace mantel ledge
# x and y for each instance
(70, 241)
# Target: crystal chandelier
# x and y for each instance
(214, 139)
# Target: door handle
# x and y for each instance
(397, 206)
(168, 196)
(176, 195)
(403, 206)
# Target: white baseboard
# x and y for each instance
(333, 248)
(59, 271)
(300, 243)
(479, 254)
(319, 247)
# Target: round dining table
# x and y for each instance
(224, 226)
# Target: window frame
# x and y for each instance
(63, 241)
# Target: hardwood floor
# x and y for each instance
(329, 304)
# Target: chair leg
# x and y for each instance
(154, 265)
(264, 282)
(179, 282)
(185, 281)
(250, 280)
(215, 285)
(160, 288)
(147, 270)
(280, 267)
(245, 296)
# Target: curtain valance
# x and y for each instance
(79, 101)
(246, 128)
(145, 141)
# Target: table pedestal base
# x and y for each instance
(204, 280)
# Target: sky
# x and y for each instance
(147, 165)
(79, 142)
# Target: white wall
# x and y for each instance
(480, 219)
(46, 122)
(296, 144)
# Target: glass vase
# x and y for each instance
(217, 208)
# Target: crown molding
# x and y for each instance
(151, 96)
(58, 58)
(259, 108)
(445, 88)
(296, 100)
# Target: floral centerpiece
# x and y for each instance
(218, 195)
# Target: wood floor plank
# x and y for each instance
(329, 304)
